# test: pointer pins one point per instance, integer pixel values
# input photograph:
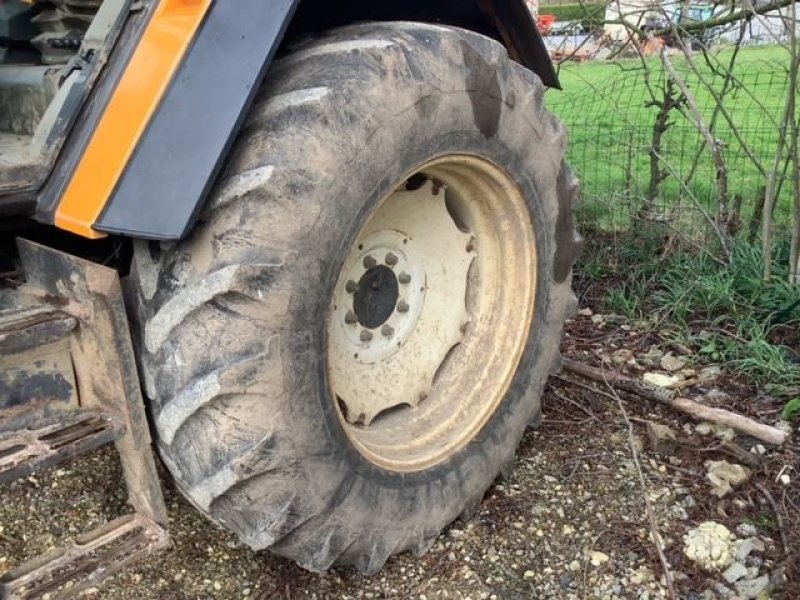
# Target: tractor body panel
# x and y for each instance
(148, 143)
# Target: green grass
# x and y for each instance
(726, 312)
(604, 105)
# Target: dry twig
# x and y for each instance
(654, 534)
(741, 423)
(778, 518)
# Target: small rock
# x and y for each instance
(717, 396)
(709, 374)
(785, 426)
(597, 319)
(661, 379)
(785, 479)
(710, 545)
(568, 530)
(734, 573)
(528, 575)
(621, 356)
(672, 363)
(723, 591)
(642, 575)
(744, 548)
(652, 357)
(585, 312)
(746, 530)
(575, 566)
(752, 588)
(726, 434)
(704, 428)
(679, 512)
(758, 449)
(661, 438)
(724, 476)
(456, 534)
(598, 558)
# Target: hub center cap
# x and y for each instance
(376, 296)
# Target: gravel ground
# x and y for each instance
(570, 522)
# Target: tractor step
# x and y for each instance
(85, 562)
(42, 445)
(68, 385)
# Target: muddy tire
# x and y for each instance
(238, 323)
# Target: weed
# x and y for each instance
(726, 311)
(792, 410)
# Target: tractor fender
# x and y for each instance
(149, 159)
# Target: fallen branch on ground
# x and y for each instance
(741, 423)
(655, 536)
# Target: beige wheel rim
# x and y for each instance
(431, 313)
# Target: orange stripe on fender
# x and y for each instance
(161, 49)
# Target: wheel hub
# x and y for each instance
(379, 303)
(376, 295)
(400, 305)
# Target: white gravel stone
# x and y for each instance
(710, 545)
(735, 572)
(724, 476)
(752, 588)
(744, 548)
(598, 558)
(660, 379)
(672, 363)
(746, 530)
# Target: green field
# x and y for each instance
(605, 107)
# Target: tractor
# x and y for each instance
(316, 256)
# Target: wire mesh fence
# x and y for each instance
(614, 111)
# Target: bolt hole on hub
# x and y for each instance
(431, 312)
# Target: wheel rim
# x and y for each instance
(431, 313)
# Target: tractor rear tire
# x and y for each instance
(249, 330)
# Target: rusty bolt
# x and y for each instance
(387, 331)
(351, 286)
(402, 306)
(391, 259)
(366, 335)
(369, 261)
(404, 278)
(350, 318)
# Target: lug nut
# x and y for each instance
(369, 261)
(391, 259)
(402, 306)
(404, 278)
(366, 335)
(350, 318)
(387, 331)
(351, 286)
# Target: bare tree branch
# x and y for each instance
(733, 17)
